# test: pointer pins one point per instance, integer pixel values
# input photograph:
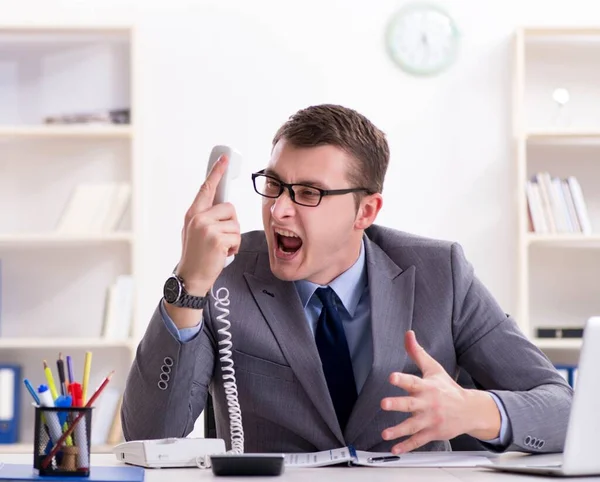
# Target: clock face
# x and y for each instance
(422, 39)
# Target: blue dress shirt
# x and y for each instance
(352, 290)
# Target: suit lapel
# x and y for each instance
(391, 292)
(280, 305)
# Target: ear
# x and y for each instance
(367, 210)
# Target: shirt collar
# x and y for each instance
(349, 286)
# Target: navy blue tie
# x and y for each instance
(335, 357)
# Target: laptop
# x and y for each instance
(580, 456)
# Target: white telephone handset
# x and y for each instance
(233, 171)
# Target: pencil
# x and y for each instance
(50, 380)
(64, 436)
(86, 375)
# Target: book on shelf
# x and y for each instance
(111, 116)
(95, 208)
(105, 411)
(556, 205)
(118, 312)
(559, 332)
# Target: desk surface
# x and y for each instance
(342, 474)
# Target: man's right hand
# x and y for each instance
(210, 234)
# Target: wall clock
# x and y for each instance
(422, 39)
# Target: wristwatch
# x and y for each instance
(175, 294)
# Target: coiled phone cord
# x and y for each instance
(236, 429)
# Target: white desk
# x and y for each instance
(333, 474)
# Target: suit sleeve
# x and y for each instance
(498, 356)
(168, 382)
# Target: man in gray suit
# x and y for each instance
(343, 332)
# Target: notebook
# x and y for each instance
(97, 474)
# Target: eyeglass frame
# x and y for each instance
(284, 185)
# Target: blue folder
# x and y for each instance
(97, 474)
(10, 378)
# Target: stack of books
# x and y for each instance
(95, 208)
(557, 205)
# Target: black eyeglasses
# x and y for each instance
(303, 194)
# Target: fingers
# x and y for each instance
(417, 440)
(410, 383)
(410, 426)
(424, 361)
(220, 212)
(403, 404)
(206, 195)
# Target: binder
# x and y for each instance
(568, 372)
(10, 375)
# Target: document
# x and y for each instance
(349, 456)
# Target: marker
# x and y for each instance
(387, 458)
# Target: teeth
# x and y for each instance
(284, 232)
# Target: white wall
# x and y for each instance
(233, 71)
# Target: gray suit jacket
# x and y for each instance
(415, 283)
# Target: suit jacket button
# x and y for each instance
(541, 444)
(165, 369)
(163, 385)
(168, 361)
(528, 440)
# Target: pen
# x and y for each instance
(60, 365)
(30, 389)
(50, 380)
(387, 458)
(70, 372)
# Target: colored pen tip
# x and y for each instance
(110, 374)
(45, 364)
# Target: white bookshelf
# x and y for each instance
(54, 284)
(557, 273)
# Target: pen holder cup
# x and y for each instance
(73, 455)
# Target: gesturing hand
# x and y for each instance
(441, 409)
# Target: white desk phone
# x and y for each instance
(201, 452)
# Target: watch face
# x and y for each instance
(422, 39)
(172, 290)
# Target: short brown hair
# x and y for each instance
(329, 124)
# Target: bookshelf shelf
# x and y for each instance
(558, 343)
(82, 343)
(564, 240)
(561, 135)
(74, 131)
(37, 240)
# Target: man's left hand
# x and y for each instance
(441, 409)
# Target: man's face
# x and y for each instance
(327, 241)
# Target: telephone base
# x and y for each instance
(168, 452)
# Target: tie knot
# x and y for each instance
(326, 296)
